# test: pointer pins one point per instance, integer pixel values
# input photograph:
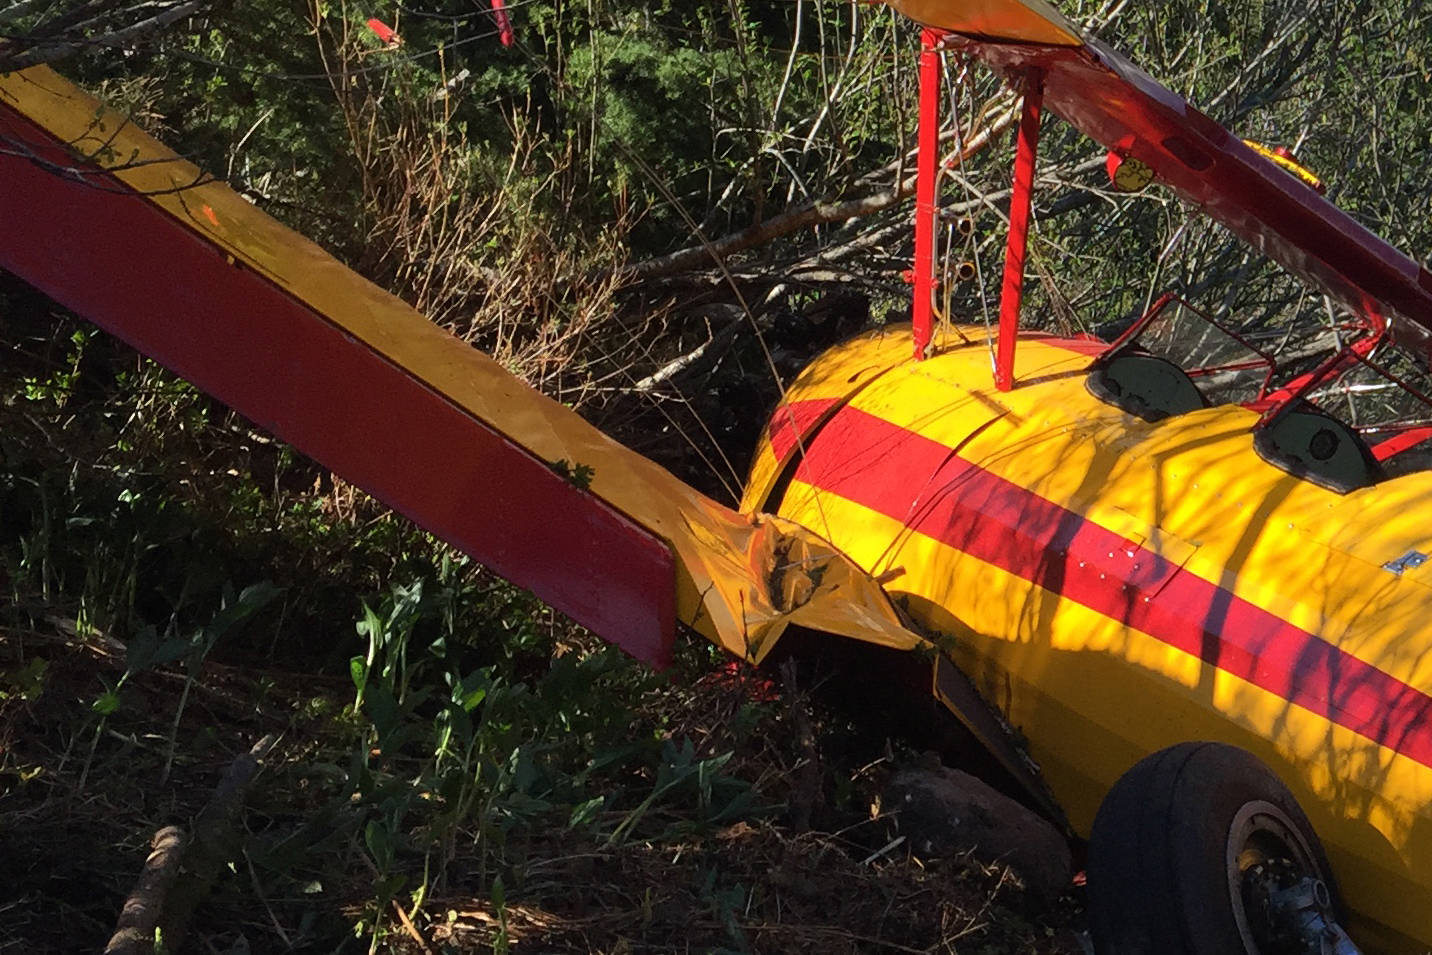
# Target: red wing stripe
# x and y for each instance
(99, 249)
(932, 490)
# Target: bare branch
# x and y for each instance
(805, 216)
(134, 933)
(16, 54)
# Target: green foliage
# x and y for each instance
(578, 475)
(465, 737)
(454, 722)
(634, 104)
(453, 758)
(25, 682)
(489, 732)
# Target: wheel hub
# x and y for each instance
(1291, 913)
(1281, 903)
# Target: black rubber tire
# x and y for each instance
(1158, 871)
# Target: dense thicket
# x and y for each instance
(654, 212)
(503, 189)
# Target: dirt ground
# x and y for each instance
(81, 796)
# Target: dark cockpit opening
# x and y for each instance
(1146, 386)
(1309, 443)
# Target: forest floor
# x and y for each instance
(86, 780)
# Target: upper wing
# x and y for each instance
(1112, 101)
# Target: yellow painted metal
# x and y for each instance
(1092, 694)
(741, 579)
(1283, 161)
(1011, 21)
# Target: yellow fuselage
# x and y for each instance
(1117, 586)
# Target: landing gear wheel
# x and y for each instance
(1200, 850)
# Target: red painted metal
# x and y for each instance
(871, 461)
(504, 25)
(1112, 101)
(927, 174)
(1285, 399)
(791, 423)
(385, 33)
(124, 264)
(1401, 442)
(1017, 244)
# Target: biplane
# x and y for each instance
(1193, 583)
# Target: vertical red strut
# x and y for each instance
(926, 179)
(1014, 251)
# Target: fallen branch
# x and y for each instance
(16, 54)
(729, 323)
(160, 905)
(806, 216)
(134, 933)
(215, 842)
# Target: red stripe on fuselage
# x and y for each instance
(791, 422)
(931, 490)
